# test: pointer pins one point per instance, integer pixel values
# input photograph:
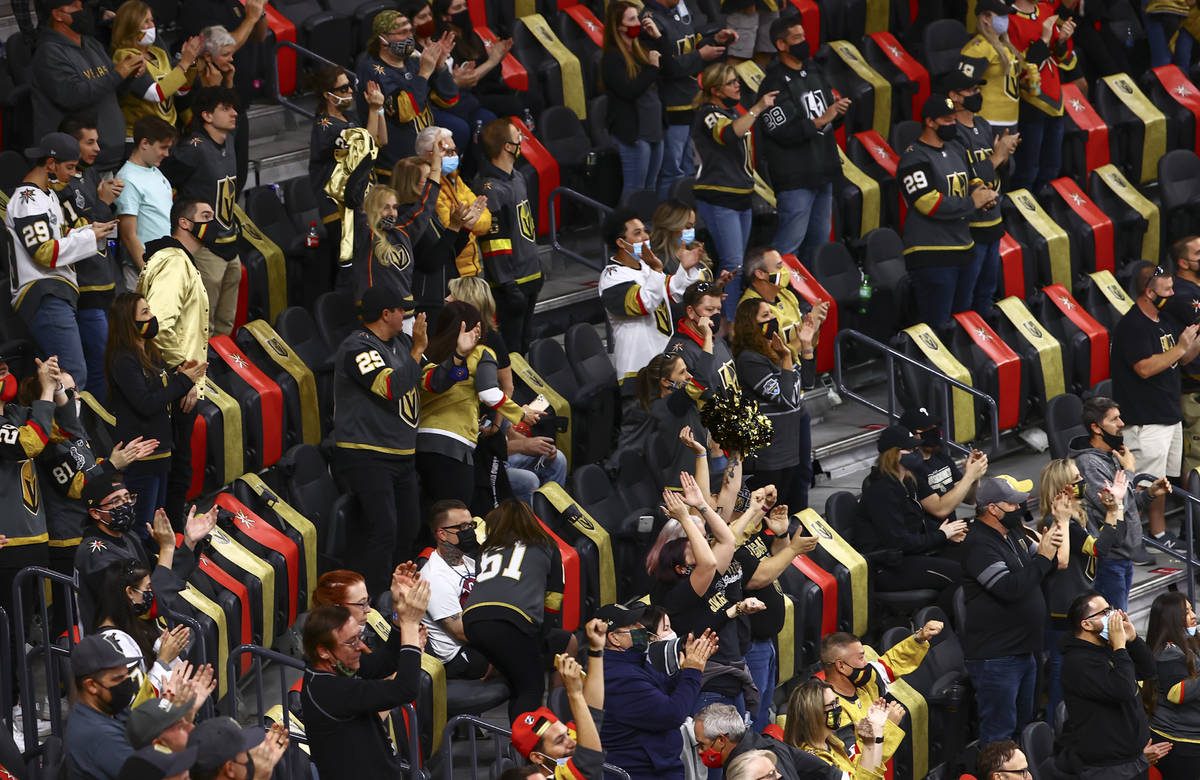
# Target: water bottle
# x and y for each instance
(529, 119)
(313, 239)
(111, 248)
(864, 293)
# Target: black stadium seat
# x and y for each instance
(1062, 423)
(312, 491)
(891, 291)
(834, 268)
(943, 41)
(296, 326)
(336, 318)
(1037, 743)
(1179, 187)
(903, 134)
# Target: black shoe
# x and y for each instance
(1142, 557)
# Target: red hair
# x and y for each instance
(331, 588)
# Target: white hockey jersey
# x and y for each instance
(43, 250)
(638, 304)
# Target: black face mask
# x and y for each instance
(800, 50)
(205, 232)
(861, 676)
(83, 22)
(729, 102)
(249, 767)
(462, 20)
(120, 518)
(1114, 440)
(148, 329)
(932, 438)
(973, 103)
(912, 460)
(947, 132)
(466, 542)
(769, 328)
(143, 606)
(1079, 488)
(120, 695)
(1012, 520)
(387, 222)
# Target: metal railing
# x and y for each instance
(504, 748)
(259, 655)
(54, 656)
(1190, 501)
(312, 55)
(196, 651)
(579, 197)
(892, 356)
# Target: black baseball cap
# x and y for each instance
(897, 436)
(937, 106)
(151, 718)
(917, 419)
(95, 653)
(619, 615)
(152, 763)
(968, 73)
(994, 6)
(95, 491)
(379, 297)
(221, 739)
(60, 146)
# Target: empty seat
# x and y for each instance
(1176, 97)
(1136, 219)
(1085, 136)
(1137, 130)
(296, 326)
(943, 42)
(910, 80)
(336, 318)
(903, 134)
(1179, 186)
(1063, 423)
(852, 77)
(1085, 340)
(312, 491)
(891, 293)
(833, 266)
(595, 402)
(1091, 230)
(1046, 244)
(563, 135)
(13, 168)
(875, 158)
(995, 368)
(1037, 743)
(630, 537)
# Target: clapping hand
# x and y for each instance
(123, 454)
(198, 527)
(674, 506)
(689, 441)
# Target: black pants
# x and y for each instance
(514, 312)
(469, 664)
(388, 516)
(443, 477)
(1182, 763)
(917, 572)
(522, 658)
(179, 478)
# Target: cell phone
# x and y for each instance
(539, 404)
(645, 524)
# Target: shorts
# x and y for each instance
(754, 33)
(1157, 449)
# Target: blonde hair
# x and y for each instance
(806, 715)
(889, 463)
(1055, 476)
(127, 24)
(373, 204)
(669, 217)
(406, 179)
(476, 291)
(634, 53)
(713, 77)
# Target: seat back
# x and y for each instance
(834, 267)
(13, 168)
(891, 306)
(1037, 743)
(311, 490)
(335, 319)
(549, 360)
(563, 135)
(1062, 423)
(903, 134)
(943, 41)
(841, 508)
(589, 358)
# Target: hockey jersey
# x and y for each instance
(201, 169)
(788, 309)
(510, 246)
(66, 465)
(44, 248)
(638, 304)
(725, 176)
(710, 370)
(387, 258)
(408, 102)
(1025, 32)
(24, 433)
(517, 583)
(1001, 89)
(977, 140)
(936, 184)
(799, 154)
(95, 276)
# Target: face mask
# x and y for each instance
(947, 132)
(1103, 628)
(1012, 520)
(148, 37)
(861, 676)
(1078, 488)
(425, 29)
(387, 222)
(148, 329)
(1000, 23)
(8, 388)
(1113, 440)
(515, 151)
(800, 50)
(339, 101)
(932, 437)
(342, 669)
(401, 48)
(449, 164)
(553, 763)
(82, 22)
(462, 20)
(1160, 301)
(249, 767)
(667, 636)
(912, 460)
(120, 695)
(973, 103)
(633, 32)
(1191, 630)
(143, 606)
(204, 231)
(712, 758)
(467, 543)
(687, 235)
(729, 102)
(636, 250)
(640, 639)
(833, 718)
(781, 278)
(769, 328)
(120, 518)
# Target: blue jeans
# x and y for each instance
(93, 336)
(1039, 156)
(1159, 38)
(938, 292)
(677, 160)
(709, 697)
(524, 479)
(1053, 668)
(730, 231)
(1114, 578)
(639, 166)
(977, 283)
(151, 491)
(805, 217)
(762, 662)
(1004, 695)
(56, 332)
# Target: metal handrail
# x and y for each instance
(579, 197)
(1190, 499)
(286, 102)
(197, 650)
(893, 355)
(503, 747)
(412, 766)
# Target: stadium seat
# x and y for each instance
(811, 292)
(1037, 743)
(943, 42)
(903, 134)
(875, 158)
(256, 575)
(218, 446)
(633, 475)
(550, 362)
(271, 545)
(582, 33)
(1179, 188)
(994, 367)
(336, 318)
(870, 93)
(283, 517)
(848, 567)
(556, 70)
(364, 13)
(910, 80)
(260, 399)
(298, 330)
(1135, 219)
(814, 593)
(311, 490)
(590, 540)
(941, 681)
(597, 496)
(1137, 130)
(1042, 355)
(923, 344)
(834, 268)
(1062, 423)
(1085, 137)
(1084, 339)
(223, 624)
(286, 368)
(1103, 298)
(891, 292)
(1179, 101)
(563, 135)
(13, 168)
(1090, 229)
(1047, 247)
(843, 19)
(857, 202)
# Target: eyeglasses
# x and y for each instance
(458, 529)
(772, 775)
(132, 500)
(1024, 772)
(1102, 613)
(360, 604)
(356, 641)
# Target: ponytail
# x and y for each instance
(649, 378)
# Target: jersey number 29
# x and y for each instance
(915, 182)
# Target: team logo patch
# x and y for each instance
(97, 546)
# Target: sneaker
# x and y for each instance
(1173, 543)
(1142, 557)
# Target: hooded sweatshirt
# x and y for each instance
(1107, 723)
(1097, 468)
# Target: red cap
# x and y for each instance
(529, 727)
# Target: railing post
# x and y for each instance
(1189, 540)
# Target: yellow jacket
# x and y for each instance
(172, 286)
(162, 77)
(902, 659)
(1002, 92)
(1174, 7)
(470, 260)
(834, 753)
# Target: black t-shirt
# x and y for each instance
(768, 623)
(692, 614)
(1184, 308)
(495, 342)
(1153, 400)
(936, 475)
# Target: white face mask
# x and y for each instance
(340, 101)
(149, 35)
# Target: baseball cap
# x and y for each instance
(151, 718)
(384, 21)
(619, 616)
(1002, 488)
(221, 739)
(95, 491)
(60, 146)
(937, 106)
(95, 653)
(152, 763)
(897, 436)
(917, 419)
(529, 727)
(994, 6)
(379, 297)
(968, 73)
